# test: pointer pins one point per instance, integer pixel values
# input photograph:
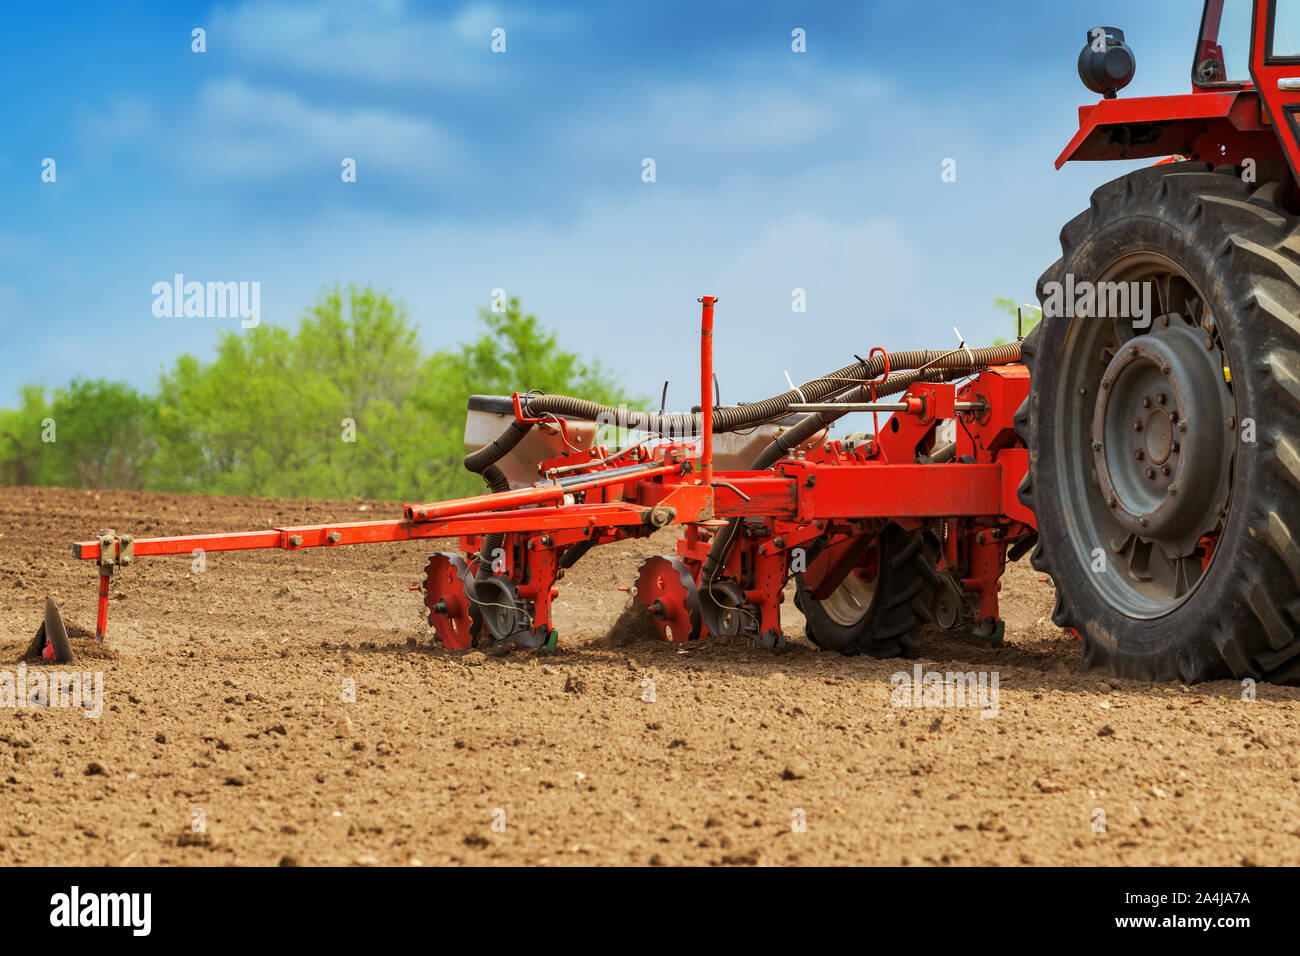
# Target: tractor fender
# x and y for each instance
(1225, 127)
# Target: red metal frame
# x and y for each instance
(706, 390)
(839, 496)
(1269, 73)
(1223, 124)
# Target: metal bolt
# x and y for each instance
(1182, 426)
(1173, 490)
(1137, 424)
(1164, 470)
(1083, 391)
(1151, 473)
(1164, 368)
(1139, 454)
(1232, 421)
(1133, 350)
(1112, 501)
(1146, 402)
(1142, 522)
(1162, 398)
(1177, 447)
(1096, 445)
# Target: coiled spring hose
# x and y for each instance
(845, 385)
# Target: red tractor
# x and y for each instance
(1143, 441)
(1164, 443)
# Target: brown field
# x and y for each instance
(224, 695)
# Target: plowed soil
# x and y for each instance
(226, 736)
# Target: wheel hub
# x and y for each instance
(1161, 438)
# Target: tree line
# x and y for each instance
(347, 405)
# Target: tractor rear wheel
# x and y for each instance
(880, 605)
(1164, 450)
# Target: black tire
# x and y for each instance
(900, 603)
(1234, 614)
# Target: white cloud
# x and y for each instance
(244, 131)
(619, 282)
(122, 120)
(381, 41)
(746, 112)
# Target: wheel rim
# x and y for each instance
(849, 603)
(1146, 443)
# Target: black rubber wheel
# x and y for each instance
(879, 617)
(1164, 460)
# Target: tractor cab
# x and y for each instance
(1223, 49)
(1243, 109)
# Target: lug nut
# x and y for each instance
(1173, 490)
(1162, 398)
(1182, 426)
(1096, 445)
(1139, 455)
(1137, 424)
(1164, 470)
(1232, 421)
(1146, 402)
(1151, 473)
(1112, 501)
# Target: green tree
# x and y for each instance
(1027, 315)
(22, 453)
(513, 353)
(348, 405)
(322, 412)
(91, 434)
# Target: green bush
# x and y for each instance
(347, 405)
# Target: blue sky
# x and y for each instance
(522, 170)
